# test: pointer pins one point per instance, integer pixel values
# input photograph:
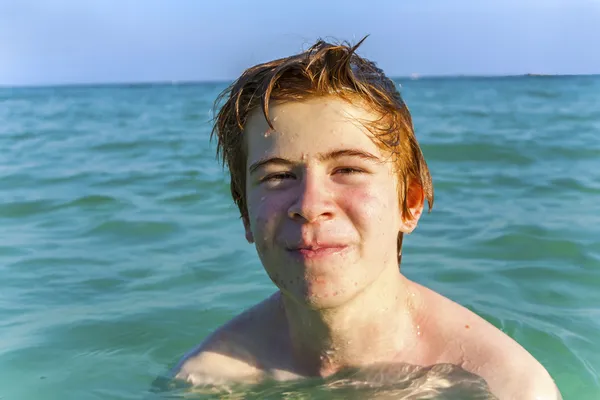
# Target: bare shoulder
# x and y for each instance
(466, 339)
(517, 375)
(230, 354)
(213, 368)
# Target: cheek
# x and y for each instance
(371, 207)
(264, 212)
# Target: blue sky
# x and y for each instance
(94, 41)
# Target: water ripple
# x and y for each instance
(121, 246)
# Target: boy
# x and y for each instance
(328, 176)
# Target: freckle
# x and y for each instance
(355, 283)
(335, 293)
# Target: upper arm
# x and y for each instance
(212, 368)
(232, 353)
(543, 387)
(510, 371)
(529, 382)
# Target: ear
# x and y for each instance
(249, 235)
(415, 199)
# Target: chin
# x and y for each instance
(321, 296)
(325, 303)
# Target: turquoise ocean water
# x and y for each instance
(120, 247)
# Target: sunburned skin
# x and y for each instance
(324, 216)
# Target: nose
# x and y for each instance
(314, 201)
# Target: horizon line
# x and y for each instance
(175, 82)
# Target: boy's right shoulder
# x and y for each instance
(211, 368)
(230, 354)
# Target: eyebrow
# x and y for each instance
(332, 155)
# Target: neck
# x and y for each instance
(376, 325)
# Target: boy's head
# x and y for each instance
(323, 70)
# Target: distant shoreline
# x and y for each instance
(414, 76)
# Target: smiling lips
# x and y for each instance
(317, 251)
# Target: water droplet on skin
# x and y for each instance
(418, 330)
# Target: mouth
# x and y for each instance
(316, 252)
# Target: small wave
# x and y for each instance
(130, 145)
(475, 152)
(93, 201)
(34, 262)
(475, 113)
(69, 178)
(506, 181)
(100, 285)
(26, 135)
(116, 146)
(22, 209)
(188, 198)
(135, 230)
(575, 153)
(530, 247)
(128, 179)
(12, 251)
(196, 117)
(573, 184)
(571, 115)
(562, 186)
(542, 94)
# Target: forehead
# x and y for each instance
(308, 127)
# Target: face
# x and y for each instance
(322, 200)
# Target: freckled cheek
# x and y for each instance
(265, 212)
(366, 206)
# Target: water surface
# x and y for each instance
(120, 247)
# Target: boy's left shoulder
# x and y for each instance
(515, 374)
(468, 340)
(510, 370)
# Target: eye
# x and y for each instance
(348, 171)
(277, 177)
